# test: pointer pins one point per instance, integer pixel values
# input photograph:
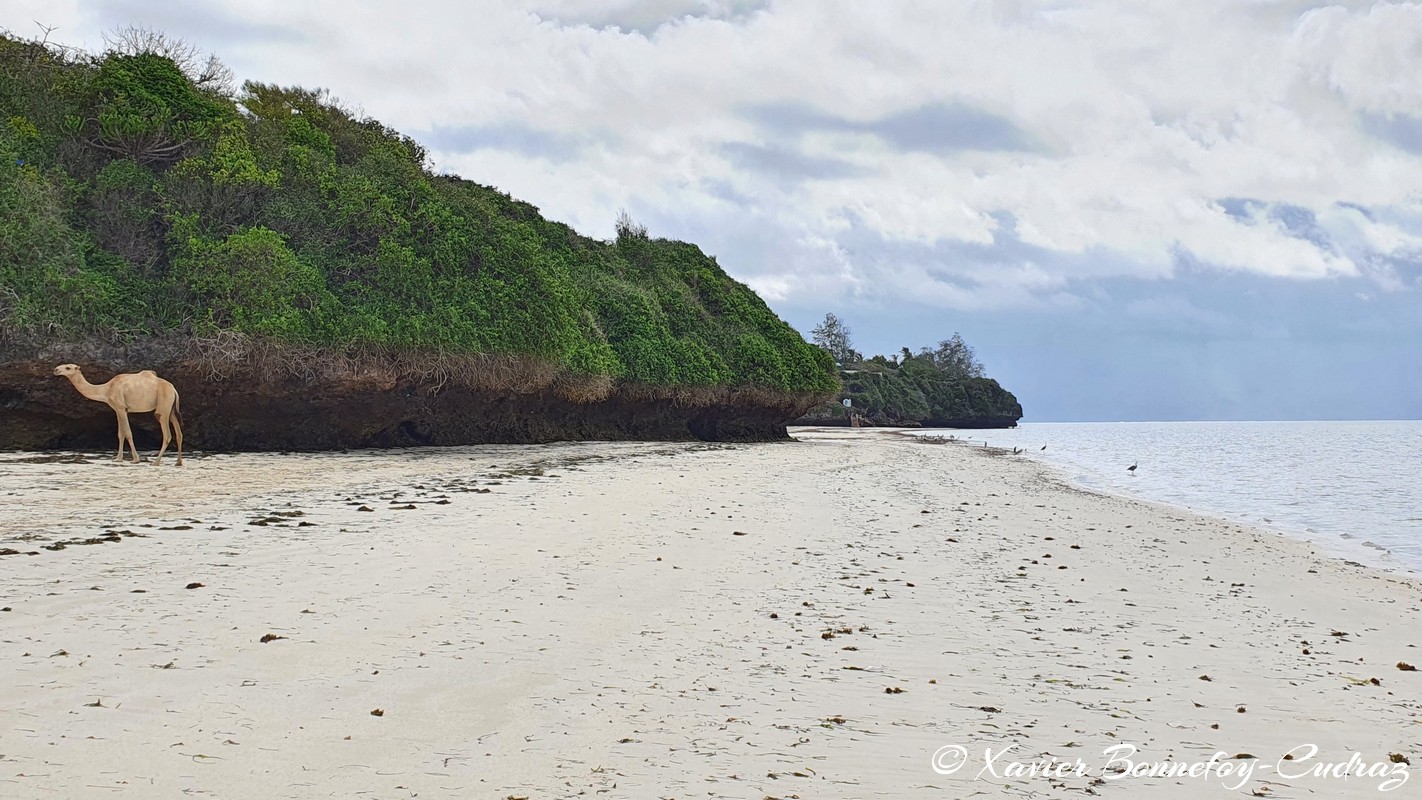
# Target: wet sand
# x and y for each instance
(808, 619)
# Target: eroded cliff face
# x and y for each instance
(249, 409)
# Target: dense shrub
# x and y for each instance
(138, 202)
(915, 392)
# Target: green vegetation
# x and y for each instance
(141, 200)
(940, 386)
(916, 393)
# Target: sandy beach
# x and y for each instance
(854, 614)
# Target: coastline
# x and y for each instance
(1341, 547)
(1352, 539)
(539, 621)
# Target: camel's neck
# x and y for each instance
(87, 389)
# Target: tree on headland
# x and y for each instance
(832, 335)
(153, 100)
(628, 228)
(954, 357)
(205, 70)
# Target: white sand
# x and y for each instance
(604, 633)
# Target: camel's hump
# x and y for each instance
(148, 372)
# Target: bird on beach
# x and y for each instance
(1016, 450)
(1044, 447)
(1131, 469)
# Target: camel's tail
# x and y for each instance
(177, 407)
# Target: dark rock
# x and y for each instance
(243, 411)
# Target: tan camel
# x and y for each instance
(134, 393)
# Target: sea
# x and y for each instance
(1353, 488)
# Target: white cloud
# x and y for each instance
(640, 15)
(1129, 123)
(1369, 58)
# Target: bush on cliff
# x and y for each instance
(138, 202)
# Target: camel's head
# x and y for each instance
(66, 370)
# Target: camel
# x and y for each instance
(134, 393)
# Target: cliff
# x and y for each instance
(267, 399)
(307, 281)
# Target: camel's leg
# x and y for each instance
(128, 434)
(121, 424)
(163, 427)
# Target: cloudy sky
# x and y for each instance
(1143, 210)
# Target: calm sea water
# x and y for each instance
(1354, 488)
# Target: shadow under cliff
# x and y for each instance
(246, 405)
